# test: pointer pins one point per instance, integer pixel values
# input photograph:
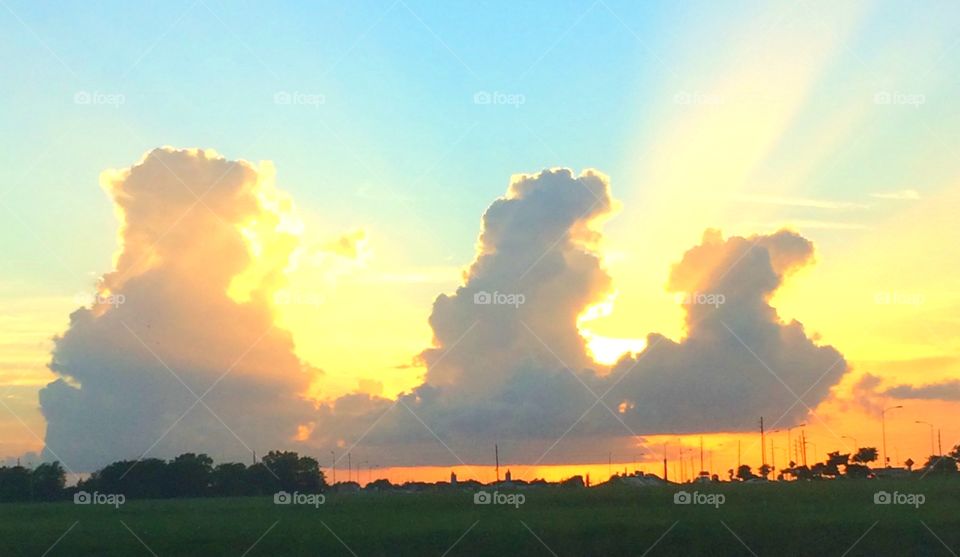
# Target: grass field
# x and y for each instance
(817, 518)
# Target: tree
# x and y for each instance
(801, 472)
(834, 461)
(14, 483)
(261, 480)
(295, 473)
(229, 479)
(47, 481)
(188, 475)
(865, 455)
(855, 470)
(744, 472)
(941, 464)
(145, 479)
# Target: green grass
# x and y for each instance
(818, 518)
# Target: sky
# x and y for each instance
(396, 153)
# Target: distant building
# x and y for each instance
(508, 477)
(453, 479)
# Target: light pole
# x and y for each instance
(883, 431)
(789, 444)
(933, 449)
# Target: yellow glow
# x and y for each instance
(272, 238)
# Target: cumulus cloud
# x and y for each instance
(504, 340)
(508, 362)
(190, 300)
(535, 272)
(739, 360)
(187, 310)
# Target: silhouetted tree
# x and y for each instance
(834, 461)
(744, 472)
(802, 472)
(865, 455)
(261, 480)
(188, 475)
(230, 479)
(295, 473)
(145, 479)
(14, 483)
(48, 480)
(855, 470)
(941, 464)
(575, 481)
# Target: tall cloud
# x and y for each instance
(520, 372)
(739, 360)
(187, 309)
(536, 270)
(503, 341)
(508, 362)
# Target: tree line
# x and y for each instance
(188, 475)
(855, 465)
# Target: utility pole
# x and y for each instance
(496, 457)
(792, 447)
(738, 455)
(763, 449)
(664, 461)
(333, 459)
(773, 458)
(803, 445)
(683, 475)
(349, 468)
(939, 443)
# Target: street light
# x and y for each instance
(883, 431)
(933, 450)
